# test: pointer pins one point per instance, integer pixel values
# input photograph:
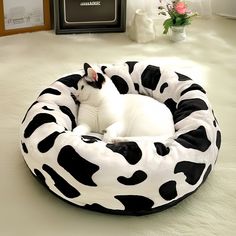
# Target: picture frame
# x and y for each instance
(81, 16)
(24, 16)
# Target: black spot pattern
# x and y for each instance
(46, 108)
(81, 169)
(103, 68)
(136, 86)
(120, 84)
(193, 87)
(37, 121)
(134, 203)
(187, 107)
(163, 87)
(129, 150)
(28, 111)
(50, 91)
(46, 144)
(98, 207)
(89, 139)
(131, 65)
(171, 104)
(161, 149)
(182, 77)
(137, 178)
(191, 170)
(218, 139)
(68, 112)
(40, 176)
(61, 184)
(168, 190)
(150, 77)
(24, 148)
(214, 123)
(195, 139)
(71, 80)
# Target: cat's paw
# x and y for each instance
(112, 132)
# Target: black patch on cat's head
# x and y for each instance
(98, 83)
(95, 83)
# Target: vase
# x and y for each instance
(142, 28)
(178, 33)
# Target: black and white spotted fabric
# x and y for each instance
(125, 178)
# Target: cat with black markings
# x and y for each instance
(119, 117)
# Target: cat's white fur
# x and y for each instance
(120, 117)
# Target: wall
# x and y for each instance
(224, 7)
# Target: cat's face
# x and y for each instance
(88, 94)
(90, 87)
(95, 88)
(84, 91)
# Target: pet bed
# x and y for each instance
(132, 178)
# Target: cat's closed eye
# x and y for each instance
(82, 87)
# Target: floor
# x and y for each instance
(30, 62)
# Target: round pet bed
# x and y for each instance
(132, 178)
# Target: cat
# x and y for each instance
(119, 117)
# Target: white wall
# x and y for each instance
(207, 7)
(203, 7)
(225, 7)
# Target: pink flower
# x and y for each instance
(180, 8)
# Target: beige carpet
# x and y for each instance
(30, 62)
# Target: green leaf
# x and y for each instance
(178, 21)
(165, 30)
(187, 22)
(167, 24)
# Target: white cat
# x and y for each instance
(119, 117)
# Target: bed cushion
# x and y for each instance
(132, 178)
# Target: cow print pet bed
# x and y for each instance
(132, 178)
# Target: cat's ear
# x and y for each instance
(90, 74)
(86, 67)
(93, 78)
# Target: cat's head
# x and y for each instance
(93, 78)
(93, 87)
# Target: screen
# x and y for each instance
(82, 12)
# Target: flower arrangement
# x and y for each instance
(179, 14)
